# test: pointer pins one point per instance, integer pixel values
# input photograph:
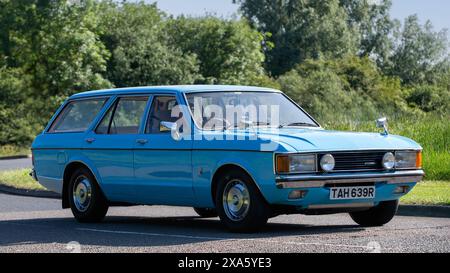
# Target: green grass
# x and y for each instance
(19, 179)
(429, 193)
(425, 193)
(10, 150)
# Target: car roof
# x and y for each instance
(172, 88)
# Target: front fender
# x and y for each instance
(259, 165)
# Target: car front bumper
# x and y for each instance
(317, 188)
(314, 181)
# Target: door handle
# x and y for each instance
(142, 141)
(90, 140)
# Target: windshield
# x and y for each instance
(225, 110)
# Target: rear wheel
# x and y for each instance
(376, 216)
(240, 205)
(206, 212)
(85, 197)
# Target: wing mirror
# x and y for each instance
(382, 123)
(173, 128)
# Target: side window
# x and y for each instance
(77, 115)
(161, 110)
(123, 117)
(103, 127)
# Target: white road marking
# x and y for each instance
(222, 238)
(151, 234)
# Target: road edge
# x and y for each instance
(424, 211)
(15, 157)
(29, 193)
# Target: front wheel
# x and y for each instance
(85, 197)
(240, 205)
(376, 216)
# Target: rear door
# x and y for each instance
(110, 146)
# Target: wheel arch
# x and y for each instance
(222, 170)
(68, 171)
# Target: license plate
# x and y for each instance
(349, 193)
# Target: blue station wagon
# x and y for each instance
(242, 153)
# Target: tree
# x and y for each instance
(421, 54)
(55, 47)
(350, 87)
(228, 51)
(300, 30)
(376, 28)
(135, 35)
(56, 43)
(14, 117)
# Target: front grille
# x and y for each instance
(357, 161)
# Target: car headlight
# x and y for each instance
(388, 161)
(408, 160)
(296, 163)
(327, 163)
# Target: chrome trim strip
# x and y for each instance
(320, 181)
(337, 206)
(360, 150)
(344, 151)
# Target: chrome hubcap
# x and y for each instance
(236, 200)
(82, 193)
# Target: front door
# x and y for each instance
(162, 164)
(110, 147)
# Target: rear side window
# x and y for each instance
(77, 115)
(124, 117)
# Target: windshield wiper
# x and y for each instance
(298, 124)
(249, 124)
(261, 123)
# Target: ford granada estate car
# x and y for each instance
(245, 154)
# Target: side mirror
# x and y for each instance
(382, 123)
(172, 127)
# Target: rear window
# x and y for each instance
(77, 115)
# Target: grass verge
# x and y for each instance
(425, 193)
(19, 179)
(9, 150)
(429, 193)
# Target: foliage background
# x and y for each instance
(345, 61)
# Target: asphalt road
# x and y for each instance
(39, 225)
(12, 164)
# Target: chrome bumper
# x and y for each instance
(316, 181)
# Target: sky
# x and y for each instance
(437, 11)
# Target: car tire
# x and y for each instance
(376, 216)
(239, 203)
(206, 212)
(87, 202)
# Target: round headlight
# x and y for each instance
(327, 162)
(388, 161)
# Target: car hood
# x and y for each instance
(326, 140)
